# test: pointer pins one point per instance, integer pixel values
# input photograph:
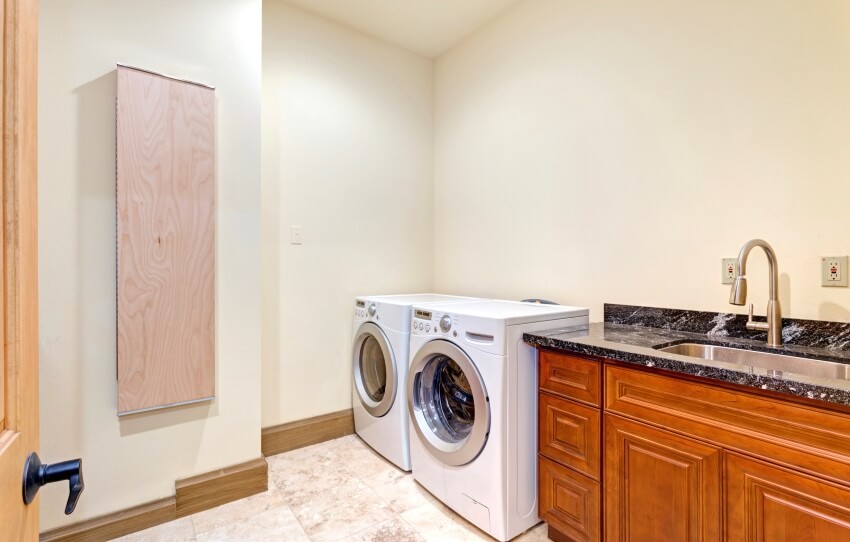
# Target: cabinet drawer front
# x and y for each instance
(571, 376)
(570, 434)
(816, 441)
(771, 504)
(659, 486)
(569, 501)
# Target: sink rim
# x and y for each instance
(753, 355)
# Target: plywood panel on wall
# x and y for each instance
(165, 168)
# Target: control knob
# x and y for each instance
(373, 309)
(446, 323)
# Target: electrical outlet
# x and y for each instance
(728, 270)
(834, 271)
(295, 237)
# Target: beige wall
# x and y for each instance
(615, 151)
(347, 156)
(136, 459)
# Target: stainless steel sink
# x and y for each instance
(774, 364)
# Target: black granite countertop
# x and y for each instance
(638, 343)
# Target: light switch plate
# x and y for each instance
(295, 235)
(834, 271)
(728, 270)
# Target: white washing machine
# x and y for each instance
(472, 400)
(379, 365)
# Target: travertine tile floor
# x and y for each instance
(338, 490)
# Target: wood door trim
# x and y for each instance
(290, 436)
(192, 495)
(19, 260)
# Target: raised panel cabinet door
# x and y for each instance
(569, 502)
(659, 486)
(766, 503)
(570, 434)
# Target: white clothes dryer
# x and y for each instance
(472, 401)
(379, 368)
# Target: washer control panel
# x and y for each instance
(433, 323)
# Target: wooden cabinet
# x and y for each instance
(659, 486)
(572, 377)
(569, 434)
(766, 503)
(569, 444)
(571, 501)
(631, 455)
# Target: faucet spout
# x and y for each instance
(738, 293)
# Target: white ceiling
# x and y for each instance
(427, 27)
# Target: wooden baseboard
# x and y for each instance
(116, 524)
(215, 488)
(192, 495)
(289, 436)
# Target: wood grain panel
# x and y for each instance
(659, 486)
(571, 376)
(165, 167)
(569, 502)
(222, 486)
(765, 503)
(570, 433)
(293, 435)
(109, 526)
(797, 436)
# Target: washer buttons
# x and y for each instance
(427, 327)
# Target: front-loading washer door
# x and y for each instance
(448, 403)
(375, 374)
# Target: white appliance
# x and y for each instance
(472, 400)
(379, 366)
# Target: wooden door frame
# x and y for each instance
(19, 319)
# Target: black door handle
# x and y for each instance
(37, 474)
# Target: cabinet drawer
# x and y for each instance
(569, 502)
(571, 376)
(569, 433)
(814, 440)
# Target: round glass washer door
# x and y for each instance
(448, 403)
(375, 375)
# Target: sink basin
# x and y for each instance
(774, 364)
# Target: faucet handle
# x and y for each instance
(755, 326)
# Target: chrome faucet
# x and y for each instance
(738, 295)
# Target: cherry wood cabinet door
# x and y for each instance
(659, 486)
(569, 502)
(766, 503)
(569, 433)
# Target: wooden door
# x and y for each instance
(659, 486)
(19, 317)
(766, 503)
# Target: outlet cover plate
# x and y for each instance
(834, 271)
(728, 270)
